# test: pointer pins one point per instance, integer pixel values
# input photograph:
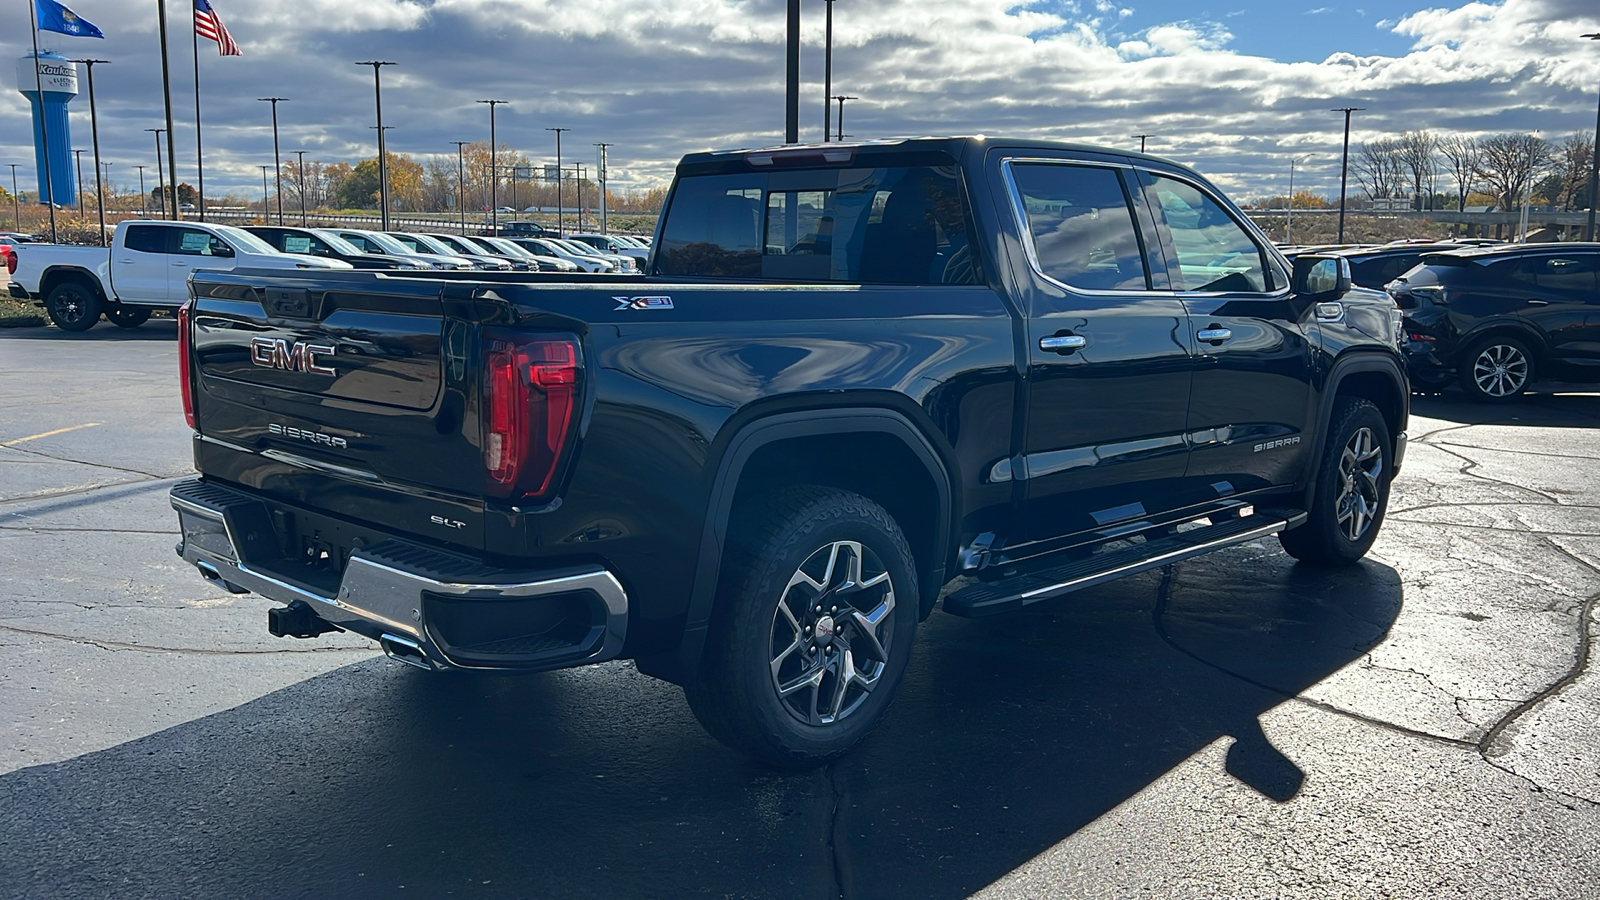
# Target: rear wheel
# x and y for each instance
(815, 618)
(1352, 488)
(1497, 370)
(126, 316)
(73, 306)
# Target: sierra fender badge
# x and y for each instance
(643, 303)
(1289, 441)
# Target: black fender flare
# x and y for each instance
(1343, 368)
(54, 275)
(1524, 331)
(783, 426)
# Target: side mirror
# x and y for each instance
(222, 250)
(1321, 278)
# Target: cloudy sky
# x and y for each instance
(1234, 87)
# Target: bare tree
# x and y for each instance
(1572, 161)
(1510, 163)
(1415, 149)
(1379, 168)
(1462, 154)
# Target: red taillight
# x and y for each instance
(530, 392)
(185, 374)
(1425, 338)
(11, 258)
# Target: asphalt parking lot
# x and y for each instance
(1424, 725)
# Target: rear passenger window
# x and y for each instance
(1215, 253)
(1081, 225)
(146, 238)
(1575, 272)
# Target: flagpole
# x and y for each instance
(44, 127)
(166, 91)
(199, 158)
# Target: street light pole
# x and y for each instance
(266, 213)
(77, 159)
(144, 211)
(841, 98)
(604, 175)
(827, 73)
(494, 171)
(1141, 138)
(461, 182)
(16, 204)
(1344, 167)
(383, 157)
(560, 221)
(791, 104)
(94, 133)
(1594, 166)
(1288, 226)
(277, 158)
(302, 191)
(166, 90)
(160, 188)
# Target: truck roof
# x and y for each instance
(955, 146)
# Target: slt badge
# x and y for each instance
(643, 303)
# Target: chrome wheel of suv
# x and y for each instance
(1501, 370)
(1361, 479)
(829, 632)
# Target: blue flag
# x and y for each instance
(55, 17)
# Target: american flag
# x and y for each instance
(209, 25)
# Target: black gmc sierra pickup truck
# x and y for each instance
(859, 381)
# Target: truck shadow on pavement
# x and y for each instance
(1009, 736)
(1544, 409)
(157, 329)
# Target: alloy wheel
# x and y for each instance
(1360, 484)
(828, 632)
(1501, 370)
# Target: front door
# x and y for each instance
(1109, 363)
(190, 249)
(1249, 416)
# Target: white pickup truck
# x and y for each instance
(146, 268)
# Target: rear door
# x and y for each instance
(1249, 415)
(1560, 295)
(1108, 355)
(139, 266)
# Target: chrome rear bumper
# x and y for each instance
(424, 606)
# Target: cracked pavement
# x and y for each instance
(1424, 725)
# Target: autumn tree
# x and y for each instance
(360, 189)
(1510, 163)
(1462, 154)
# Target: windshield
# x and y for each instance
(387, 243)
(580, 248)
(245, 239)
(470, 245)
(505, 246)
(339, 244)
(429, 245)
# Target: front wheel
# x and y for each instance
(816, 613)
(1352, 488)
(126, 316)
(73, 306)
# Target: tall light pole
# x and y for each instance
(560, 221)
(302, 192)
(1141, 138)
(94, 134)
(383, 157)
(277, 158)
(1288, 226)
(461, 181)
(144, 210)
(604, 175)
(16, 204)
(1344, 167)
(266, 213)
(77, 159)
(494, 171)
(160, 187)
(1594, 166)
(791, 104)
(842, 98)
(827, 73)
(166, 90)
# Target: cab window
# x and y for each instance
(146, 238)
(193, 242)
(1215, 253)
(1081, 224)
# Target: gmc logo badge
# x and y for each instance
(292, 356)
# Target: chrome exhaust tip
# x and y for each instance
(406, 651)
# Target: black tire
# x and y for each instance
(126, 316)
(1496, 369)
(1352, 488)
(73, 306)
(807, 531)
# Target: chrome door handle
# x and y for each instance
(1213, 335)
(1062, 343)
(1538, 302)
